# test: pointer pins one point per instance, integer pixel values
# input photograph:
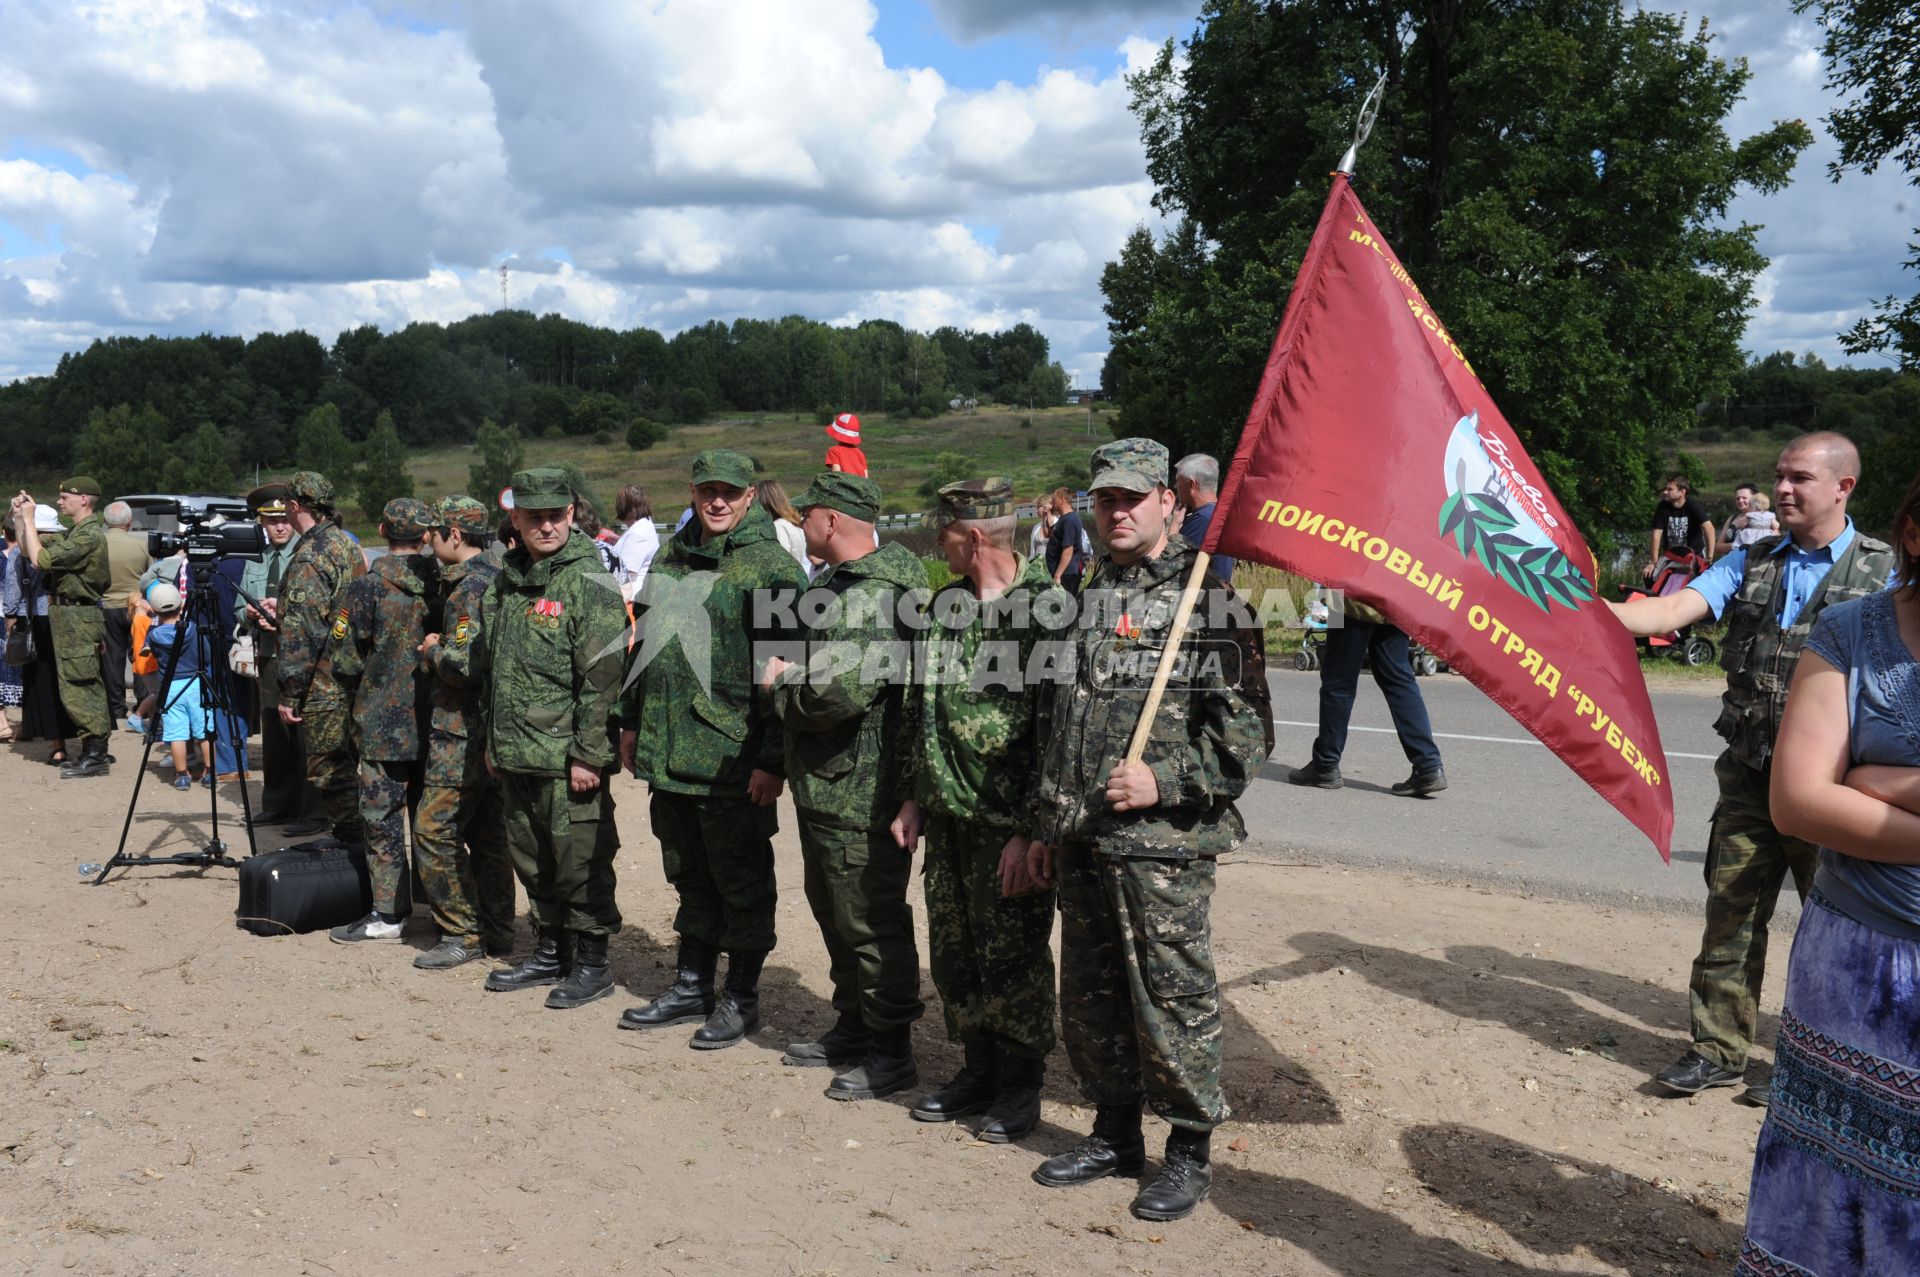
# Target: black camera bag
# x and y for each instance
(303, 888)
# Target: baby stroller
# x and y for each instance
(1423, 661)
(1677, 569)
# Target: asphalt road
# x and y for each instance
(1514, 814)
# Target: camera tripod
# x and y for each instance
(199, 616)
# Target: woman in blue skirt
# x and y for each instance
(1836, 1176)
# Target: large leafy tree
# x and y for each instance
(384, 475)
(1555, 174)
(1873, 57)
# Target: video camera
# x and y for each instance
(202, 544)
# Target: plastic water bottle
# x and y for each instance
(89, 870)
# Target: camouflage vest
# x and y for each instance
(1759, 654)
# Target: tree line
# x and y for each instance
(194, 409)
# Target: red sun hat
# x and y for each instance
(845, 429)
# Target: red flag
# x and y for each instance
(1375, 462)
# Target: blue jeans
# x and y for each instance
(1340, 661)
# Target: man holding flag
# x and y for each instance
(1131, 838)
(1769, 593)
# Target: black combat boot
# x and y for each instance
(971, 1090)
(1016, 1103)
(1116, 1147)
(844, 1044)
(92, 760)
(689, 997)
(887, 1068)
(589, 981)
(549, 963)
(1185, 1178)
(738, 1012)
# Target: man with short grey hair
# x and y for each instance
(1196, 486)
(127, 558)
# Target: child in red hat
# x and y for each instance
(845, 454)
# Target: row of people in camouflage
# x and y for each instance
(896, 718)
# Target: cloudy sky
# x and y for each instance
(179, 166)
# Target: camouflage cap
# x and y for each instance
(405, 519)
(853, 495)
(462, 514)
(309, 488)
(543, 488)
(718, 465)
(269, 500)
(1138, 465)
(83, 486)
(975, 499)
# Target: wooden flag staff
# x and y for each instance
(1137, 747)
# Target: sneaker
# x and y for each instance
(1421, 784)
(206, 778)
(1693, 1073)
(183, 783)
(134, 724)
(371, 927)
(1316, 775)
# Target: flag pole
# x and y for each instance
(1163, 671)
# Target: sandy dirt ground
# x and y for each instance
(1426, 1079)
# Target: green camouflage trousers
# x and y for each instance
(856, 884)
(326, 734)
(562, 845)
(991, 956)
(384, 792)
(460, 846)
(1747, 861)
(78, 631)
(1139, 1006)
(718, 854)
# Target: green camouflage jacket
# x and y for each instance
(310, 594)
(550, 639)
(373, 651)
(971, 739)
(844, 713)
(696, 617)
(1209, 736)
(77, 562)
(456, 685)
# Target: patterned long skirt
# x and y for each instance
(1836, 1176)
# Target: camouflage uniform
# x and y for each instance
(77, 564)
(459, 829)
(310, 594)
(843, 717)
(375, 658)
(1747, 858)
(1139, 1005)
(702, 725)
(971, 750)
(550, 634)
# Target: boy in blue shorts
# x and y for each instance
(182, 718)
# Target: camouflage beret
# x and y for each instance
(975, 499)
(81, 485)
(542, 488)
(718, 465)
(405, 519)
(462, 514)
(854, 495)
(309, 488)
(1138, 465)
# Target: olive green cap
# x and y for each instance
(462, 514)
(1137, 465)
(405, 519)
(719, 465)
(269, 500)
(854, 495)
(309, 488)
(542, 488)
(975, 499)
(82, 485)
